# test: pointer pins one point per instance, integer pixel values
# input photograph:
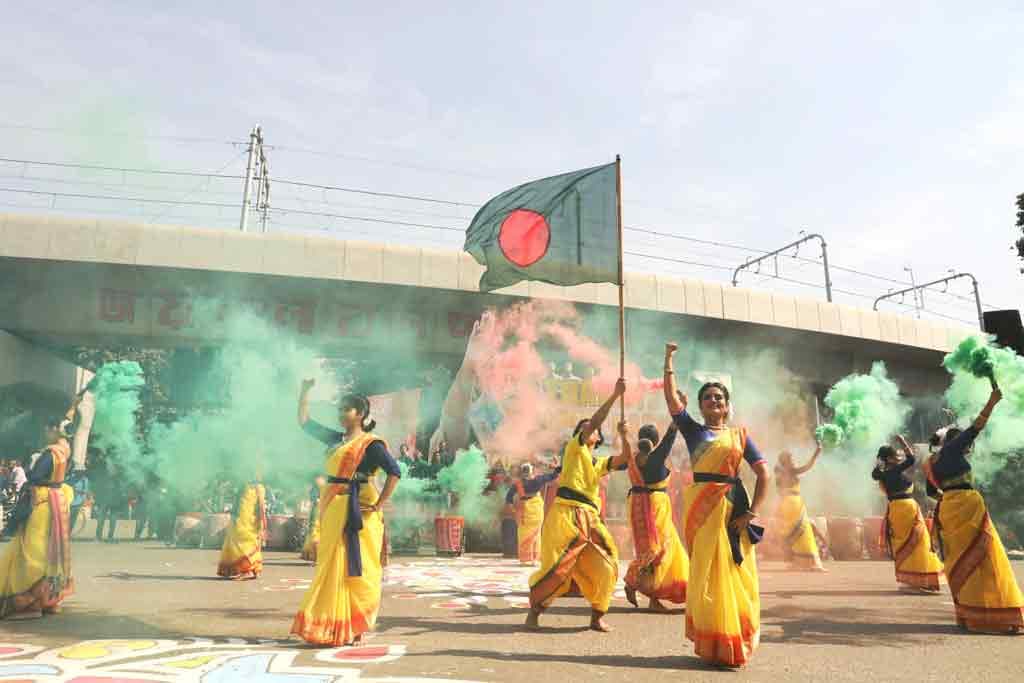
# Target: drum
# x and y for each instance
(449, 536)
(279, 532)
(874, 539)
(213, 528)
(188, 529)
(298, 528)
(846, 538)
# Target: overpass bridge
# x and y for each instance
(85, 281)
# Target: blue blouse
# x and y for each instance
(697, 434)
(375, 458)
(532, 486)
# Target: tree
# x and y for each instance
(1020, 224)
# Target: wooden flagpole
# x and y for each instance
(622, 283)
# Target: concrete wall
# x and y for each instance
(103, 241)
(23, 363)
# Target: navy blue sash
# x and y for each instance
(353, 525)
(740, 506)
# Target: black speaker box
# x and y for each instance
(1007, 328)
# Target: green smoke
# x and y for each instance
(248, 427)
(467, 479)
(972, 364)
(868, 411)
(829, 435)
(115, 430)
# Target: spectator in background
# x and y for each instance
(18, 477)
(110, 499)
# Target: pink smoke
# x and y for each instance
(605, 363)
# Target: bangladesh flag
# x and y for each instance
(562, 230)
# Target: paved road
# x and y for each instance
(460, 619)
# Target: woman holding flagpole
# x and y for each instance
(723, 609)
(575, 545)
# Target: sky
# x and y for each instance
(895, 130)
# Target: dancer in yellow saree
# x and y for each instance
(312, 541)
(985, 591)
(723, 606)
(524, 494)
(906, 534)
(35, 567)
(799, 546)
(575, 546)
(344, 599)
(241, 556)
(661, 568)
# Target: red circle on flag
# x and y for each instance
(524, 237)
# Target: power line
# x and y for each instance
(373, 193)
(91, 167)
(143, 200)
(364, 219)
(112, 134)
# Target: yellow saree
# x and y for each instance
(799, 546)
(661, 568)
(723, 609)
(242, 553)
(910, 545)
(575, 545)
(529, 519)
(984, 589)
(339, 606)
(309, 546)
(35, 568)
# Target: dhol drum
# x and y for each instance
(449, 536)
(213, 528)
(279, 532)
(299, 528)
(874, 538)
(846, 538)
(188, 529)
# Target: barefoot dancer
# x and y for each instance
(980, 577)
(905, 532)
(344, 599)
(575, 546)
(798, 544)
(241, 556)
(723, 607)
(661, 568)
(35, 567)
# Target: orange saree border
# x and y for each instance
(728, 649)
(331, 631)
(971, 558)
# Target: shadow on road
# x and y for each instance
(848, 626)
(77, 624)
(618, 661)
(417, 626)
(128, 576)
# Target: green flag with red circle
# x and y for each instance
(561, 230)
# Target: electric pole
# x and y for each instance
(255, 169)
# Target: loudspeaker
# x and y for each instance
(1007, 328)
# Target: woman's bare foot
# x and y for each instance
(656, 606)
(533, 620)
(597, 622)
(631, 596)
(56, 609)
